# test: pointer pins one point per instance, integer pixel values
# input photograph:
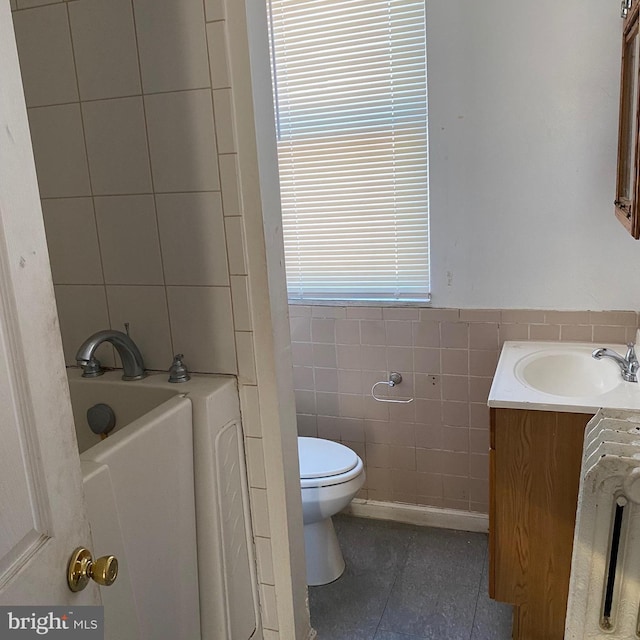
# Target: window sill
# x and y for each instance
(362, 303)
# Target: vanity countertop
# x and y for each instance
(510, 390)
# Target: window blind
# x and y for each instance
(350, 97)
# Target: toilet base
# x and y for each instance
(324, 557)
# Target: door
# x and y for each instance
(42, 517)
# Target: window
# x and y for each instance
(350, 97)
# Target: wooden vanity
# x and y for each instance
(535, 457)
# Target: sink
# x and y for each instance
(569, 372)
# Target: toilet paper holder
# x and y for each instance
(395, 378)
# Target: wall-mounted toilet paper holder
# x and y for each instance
(395, 378)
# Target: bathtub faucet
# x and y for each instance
(132, 361)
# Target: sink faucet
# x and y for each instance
(629, 365)
(132, 361)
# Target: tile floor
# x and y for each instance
(404, 582)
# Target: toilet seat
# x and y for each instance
(324, 463)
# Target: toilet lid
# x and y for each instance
(324, 458)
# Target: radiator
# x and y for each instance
(604, 591)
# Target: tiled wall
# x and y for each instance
(137, 177)
(131, 112)
(433, 451)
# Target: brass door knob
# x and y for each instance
(82, 568)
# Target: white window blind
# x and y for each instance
(351, 115)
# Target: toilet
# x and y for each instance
(330, 476)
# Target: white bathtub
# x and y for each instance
(166, 494)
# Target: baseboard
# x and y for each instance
(419, 514)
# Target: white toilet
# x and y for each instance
(330, 476)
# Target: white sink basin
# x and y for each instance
(568, 372)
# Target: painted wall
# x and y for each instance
(523, 110)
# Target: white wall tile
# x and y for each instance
(246, 357)
(260, 513)
(202, 327)
(145, 309)
(72, 240)
(241, 303)
(255, 463)
(117, 146)
(59, 151)
(234, 233)
(82, 311)
(250, 406)
(46, 55)
(194, 251)
(214, 9)
(265, 560)
(173, 44)
(229, 183)
(104, 42)
(218, 62)
(128, 234)
(182, 141)
(225, 127)
(269, 607)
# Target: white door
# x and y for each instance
(42, 517)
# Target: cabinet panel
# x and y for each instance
(536, 472)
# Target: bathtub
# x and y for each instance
(166, 493)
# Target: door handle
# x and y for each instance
(82, 568)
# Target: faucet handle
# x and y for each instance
(91, 368)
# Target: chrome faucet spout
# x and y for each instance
(132, 361)
(628, 364)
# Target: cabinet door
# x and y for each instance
(536, 471)
(627, 180)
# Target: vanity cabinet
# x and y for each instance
(628, 185)
(535, 460)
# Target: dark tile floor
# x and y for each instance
(408, 583)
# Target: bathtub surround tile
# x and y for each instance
(250, 406)
(259, 512)
(182, 141)
(264, 560)
(145, 309)
(202, 327)
(72, 240)
(426, 334)
(300, 328)
(347, 331)
(214, 10)
(168, 60)
(46, 56)
(218, 63)
(324, 355)
(59, 151)
(194, 251)
(104, 42)
(255, 463)
(323, 330)
(241, 301)
(82, 311)
(229, 184)
(246, 357)
(397, 333)
(129, 240)
(455, 361)
(117, 146)
(234, 236)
